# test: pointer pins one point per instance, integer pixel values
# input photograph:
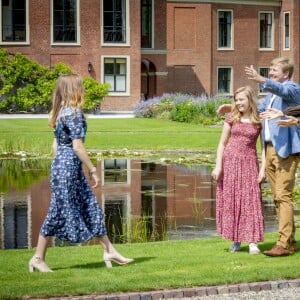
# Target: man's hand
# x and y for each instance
(271, 113)
(289, 121)
(252, 74)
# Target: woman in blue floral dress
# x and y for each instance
(74, 213)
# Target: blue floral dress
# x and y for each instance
(74, 213)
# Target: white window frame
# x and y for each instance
(127, 57)
(284, 31)
(27, 41)
(230, 47)
(271, 48)
(127, 43)
(77, 27)
(231, 80)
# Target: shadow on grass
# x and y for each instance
(245, 247)
(100, 264)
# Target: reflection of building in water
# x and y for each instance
(14, 221)
(156, 195)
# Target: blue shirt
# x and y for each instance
(286, 140)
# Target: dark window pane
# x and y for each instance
(64, 20)
(109, 68)
(58, 4)
(114, 21)
(225, 29)
(14, 21)
(19, 4)
(266, 30)
(224, 80)
(146, 24)
(108, 5)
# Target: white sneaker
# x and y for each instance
(253, 249)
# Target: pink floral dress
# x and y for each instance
(239, 214)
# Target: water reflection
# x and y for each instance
(142, 201)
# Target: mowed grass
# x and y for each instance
(110, 134)
(158, 265)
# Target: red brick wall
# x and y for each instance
(185, 56)
(89, 50)
(193, 56)
(246, 44)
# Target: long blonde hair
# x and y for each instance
(250, 94)
(69, 91)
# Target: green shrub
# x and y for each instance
(26, 86)
(185, 111)
(93, 92)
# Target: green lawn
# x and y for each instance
(109, 134)
(158, 265)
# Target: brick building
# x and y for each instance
(144, 48)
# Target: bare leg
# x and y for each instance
(38, 260)
(42, 247)
(111, 254)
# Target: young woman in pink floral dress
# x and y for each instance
(239, 214)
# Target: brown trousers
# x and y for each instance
(281, 174)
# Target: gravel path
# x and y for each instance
(279, 294)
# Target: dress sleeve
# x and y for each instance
(75, 123)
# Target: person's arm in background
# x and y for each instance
(290, 114)
(223, 109)
(289, 121)
(292, 111)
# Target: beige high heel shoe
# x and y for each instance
(36, 263)
(115, 257)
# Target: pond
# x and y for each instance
(143, 200)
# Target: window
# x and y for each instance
(14, 15)
(224, 80)
(117, 212)
(224, 29)
(264, 71)
(115, 73)
(114, 21)
(266, 30)
(65, 21)
(146, 23)
(115, 170)
(15, 227)
(286, 28)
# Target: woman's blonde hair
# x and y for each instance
(69, 91)
(250, 94)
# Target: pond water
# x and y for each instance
(142, 200)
